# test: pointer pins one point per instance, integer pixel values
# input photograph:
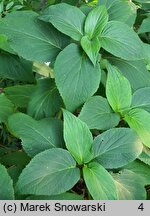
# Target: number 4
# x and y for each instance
(141, 207)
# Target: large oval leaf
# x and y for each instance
(99, 182)
(70, 21)
(97, 114)
(117, 147)
(6, 108)
(115, 39)
(6, 184)
(139, 120)
(118, 89)
(31, 38)
(129, 186)
(49, 173)
(76, 78)
(36, 136)
(78, 138)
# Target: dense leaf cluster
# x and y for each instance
(77, 127)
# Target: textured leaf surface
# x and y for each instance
(141, 99)
(145, 26)
(146, 48)
(117, 147)
(107, 3)
(36, 136)
(4, 44)
(6, 191)
(15, 68)
(97, 114)
(19, 94)
(45, 170)
(118, 89)
(31, 38)
(99, 182)
(129, 185)
(78, 138)
(6, 108)
(15, 158)
(115, 39)
(91, 47)
(72, 71)
(123, 11)
(96, 21)
(132, 69)
(141, 169)
(45, 101)
(145, 155)
(66, 18)
(139, 120)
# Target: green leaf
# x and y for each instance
(141, 169)
(141, 99)
(31, 38)
(129, 186)
(14, 172)
(78, 138)
(9, 5)
(64, 196)
(36, 136)
(123, 11)
(99, 182)
(117, 147)
(4, 44)
(45, 101)
(107, 3)
(139, 120)
(15, 68)
(6, 108)
(6, 183)
(76, 78)
(1, 7)
(132, 69)
(97, 114)
(146, 48)
(145, 26)
(96, 21)
(45, 169)
(71, 2)
(91, 47)
(143, 1)
(115, 39)
(19, 94)
(145, 156)
(66, 18)
(119, 95)
(15, 158)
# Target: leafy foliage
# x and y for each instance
(74, 100)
